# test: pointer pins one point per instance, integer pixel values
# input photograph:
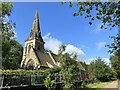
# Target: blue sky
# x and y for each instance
(59, 26)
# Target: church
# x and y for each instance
(34, 54)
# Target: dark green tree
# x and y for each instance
(12, 55)
(115, 62)
(101, 71)
(11, 49)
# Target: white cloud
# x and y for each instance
(53, 44)
(101, 45)
(74, 50)
(106, 60)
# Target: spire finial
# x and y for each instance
(36, 15)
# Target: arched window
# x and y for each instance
(25, 50)
(30, 65)
(29, 47)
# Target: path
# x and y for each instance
(110, 86)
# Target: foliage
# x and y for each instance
(31, 72)
(115, 62)
(12, 55)
(6, 8)
(7, 25)
(107, 12)
(115, 51)
(11, 49)
(22, 72)
(101, 71)
(84, 65)
(53, 70)
(69, 70)
(115, 46)
(69, 67)
(50, 84)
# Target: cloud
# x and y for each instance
(53, 44)
(74, 50)
(106, 60)
(101, 45)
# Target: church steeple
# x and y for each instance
(35, 32)
(34, 40)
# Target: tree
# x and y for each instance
(115, 62)
(69, 67)
(107, 12)
(11, 49)
(101, 71)
(12, 55)
(115, 51)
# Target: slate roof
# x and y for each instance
(45, 59)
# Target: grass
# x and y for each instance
(97, 85)
(118, 84)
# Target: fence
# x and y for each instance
(26, 80)
(14, 80)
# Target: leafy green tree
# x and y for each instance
(101, 71)
(50, 84)
(115, 62)
(69, 67)
(12, 55)
(11, 49)
(115, 51)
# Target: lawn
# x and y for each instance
(118, 84)
(97, 85)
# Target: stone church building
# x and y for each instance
(34, 54)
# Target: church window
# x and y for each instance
(29, 47)
(25, 50)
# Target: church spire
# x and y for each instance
(35, 32)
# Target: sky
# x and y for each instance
(58, 26)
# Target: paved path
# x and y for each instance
(110, 86)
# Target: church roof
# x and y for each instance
(46, 59)
(35, 32)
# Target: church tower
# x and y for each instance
(35, 39)
(34, 55)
